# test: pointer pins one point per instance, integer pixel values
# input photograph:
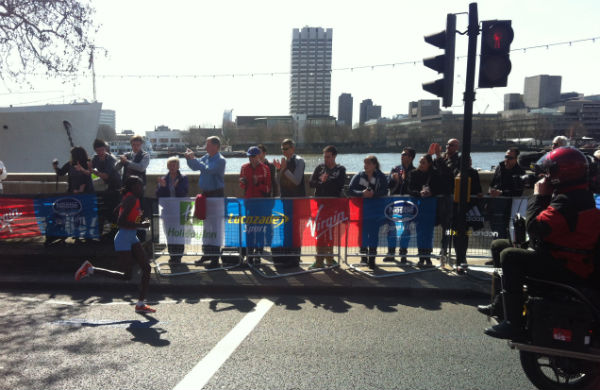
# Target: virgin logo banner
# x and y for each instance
(17, 218)
(324, 222)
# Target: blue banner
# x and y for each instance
(398, 222)
(257, 223)
(72, 215)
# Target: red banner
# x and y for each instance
(17, 218)
(323, 222)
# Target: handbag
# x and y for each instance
(200, 207)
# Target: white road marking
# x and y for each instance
(210, 364)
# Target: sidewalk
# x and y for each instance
(28, 264)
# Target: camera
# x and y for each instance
(527, 180)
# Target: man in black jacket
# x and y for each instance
(328, 180)
(398, 184)
(447, 166)
(506, 182)
(291, 184)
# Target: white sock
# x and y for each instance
(91, 270)
(140, 303)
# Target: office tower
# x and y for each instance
(310, 85)
(345, 102)
(368, 111)
(541, 91)
(365, 107)
(108, 117)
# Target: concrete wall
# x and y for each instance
(45, 183)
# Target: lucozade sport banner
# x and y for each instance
(326, 221)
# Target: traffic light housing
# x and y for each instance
(443, 63)
(494, 62)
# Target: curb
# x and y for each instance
(43, 283)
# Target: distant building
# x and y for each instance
(541, 91)
(163, 138)
(423, 108)
(108, 118)
(310, 84)
(345, 103)
(513, 101)
(368, 111)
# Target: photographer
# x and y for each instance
(564, 228)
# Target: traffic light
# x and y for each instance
(494, 62)
(443, 63)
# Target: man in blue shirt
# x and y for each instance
(212, 183)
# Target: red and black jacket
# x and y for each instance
(566, 227)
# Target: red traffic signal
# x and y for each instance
(494, 63)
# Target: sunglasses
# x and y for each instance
(284, 149)
(453, 145)
(509, 158)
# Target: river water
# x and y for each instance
(352, 161)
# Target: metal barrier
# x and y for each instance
(275, 245)
(490, 218)
(389, 224)
(200, 245)
(318, 225)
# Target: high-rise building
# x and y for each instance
(368, 111)
(108, 117)
(310, 84)
(541, 91)
(513, 101)
(345, 102)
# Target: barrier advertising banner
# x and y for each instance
(177, 224)
(70, 215)
(17, 218)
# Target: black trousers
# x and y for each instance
(519, 263)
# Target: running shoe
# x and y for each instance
(83, 271)
(144, 309)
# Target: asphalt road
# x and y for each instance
(82, 341)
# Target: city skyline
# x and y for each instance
(165, 65)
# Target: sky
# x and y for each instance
(162, 63)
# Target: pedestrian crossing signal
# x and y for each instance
(494, 63)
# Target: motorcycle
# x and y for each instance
(560, 346)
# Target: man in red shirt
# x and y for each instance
(255, 180)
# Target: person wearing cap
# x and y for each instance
(255, 177)
(255, 180)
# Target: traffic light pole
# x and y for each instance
(469, 98)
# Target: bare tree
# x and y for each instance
(49, 34)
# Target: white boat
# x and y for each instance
(31, 137)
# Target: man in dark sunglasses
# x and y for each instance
(506, 182)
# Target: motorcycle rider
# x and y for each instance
(564, 228)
